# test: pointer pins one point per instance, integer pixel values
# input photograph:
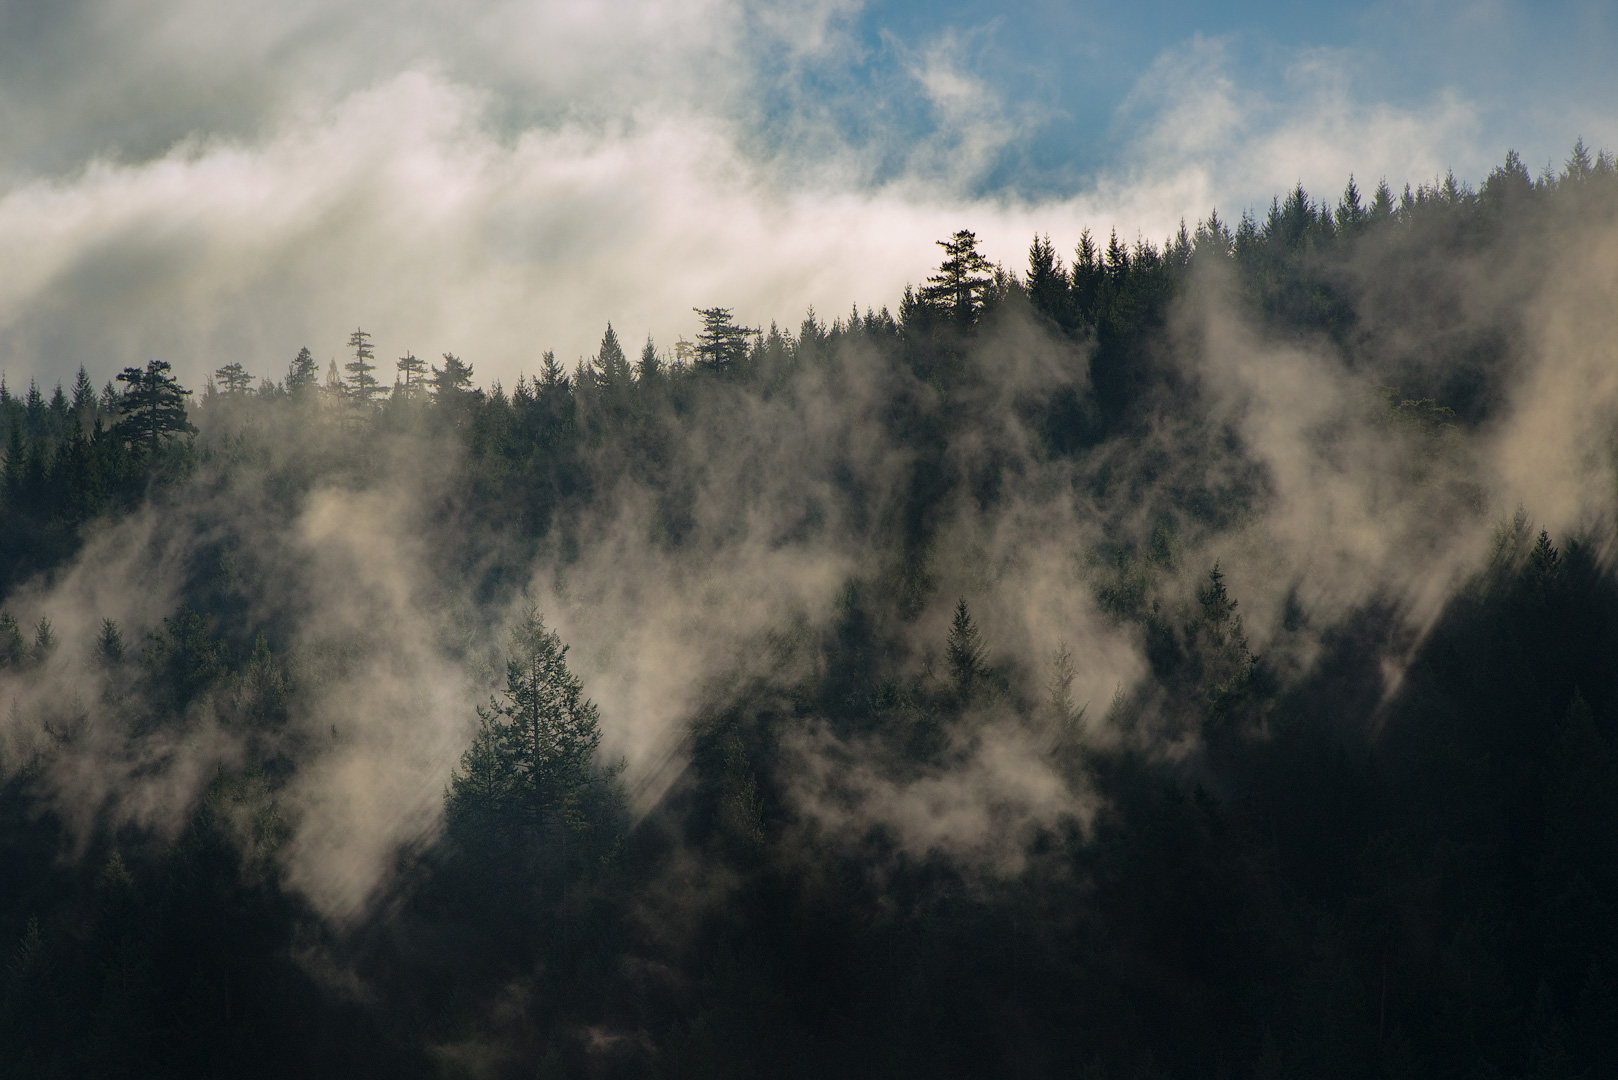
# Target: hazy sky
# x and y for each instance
(209, 180)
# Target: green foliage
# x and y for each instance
(962, 281)
(412, 378)
(1396, 858)
(110, 643)
(722, 345)
(303, 374)
(362, 386)
(183, 659)
(531, 778)
(234, 380)
(152, 407)
(964, 651)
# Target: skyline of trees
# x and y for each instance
(1342, 845)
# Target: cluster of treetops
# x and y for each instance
(1345, 880)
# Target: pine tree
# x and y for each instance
(362, 386)
(649, 367)
(303, 374)
(1047, 280)
(964, 650)
(84, 396)
(110, 643)
(34, 410)
(611, 365)
(44, 641)
(1116, 257)
(531, 771)
(412, 374)
(1059, 689)
(1350, 215)
(1382, 207)
(552, 376)
(152, 407)
(453, 381)
(12, 649)
(721, 344)
(233, 379)
(962, 279)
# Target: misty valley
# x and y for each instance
(1162, 660)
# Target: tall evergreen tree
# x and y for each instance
(362, 386)
(531, 773)
(234, 381)
(84, 396)
(721, 344)
(453, 381)
(962, 279)
(152, 407)
(1047, 280)
(611, 365)
(649, 367)
(964, 650)
(412, 374)
(303, 374)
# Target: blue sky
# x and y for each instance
(213, 179)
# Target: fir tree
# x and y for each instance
(962, 280)
(84, 396)
(412, 374)
(303, 374)
(531, 772)
(964, 650)
(234, 380)
(110, 643)
(453, 381)
(152, 407)
(721, 344)
(611, 365)
(362, 386)
(1047, 279)
(649, 366)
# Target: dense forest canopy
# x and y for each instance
(1163, 660)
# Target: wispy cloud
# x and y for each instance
(508, 182)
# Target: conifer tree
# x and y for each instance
(1350, 215)
(412, 374)
(611, 365)
(531, 771)
(84, 396)
(362, 386)
(1059, 688)
(110, 643)
(34, 410)
(152, 407)
(649, 366)
(453, 381)
(552, 376)
(962, 280)
(721, 344)
(44, 641)
(234, 381)
(303, 374)
(1047, 279)
(12, 649)
(964, 650)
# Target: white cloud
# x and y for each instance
(509, 183)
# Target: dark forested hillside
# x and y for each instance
(1195, 659)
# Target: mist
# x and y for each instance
(1088, 624)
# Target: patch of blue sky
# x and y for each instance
(1069, 87)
